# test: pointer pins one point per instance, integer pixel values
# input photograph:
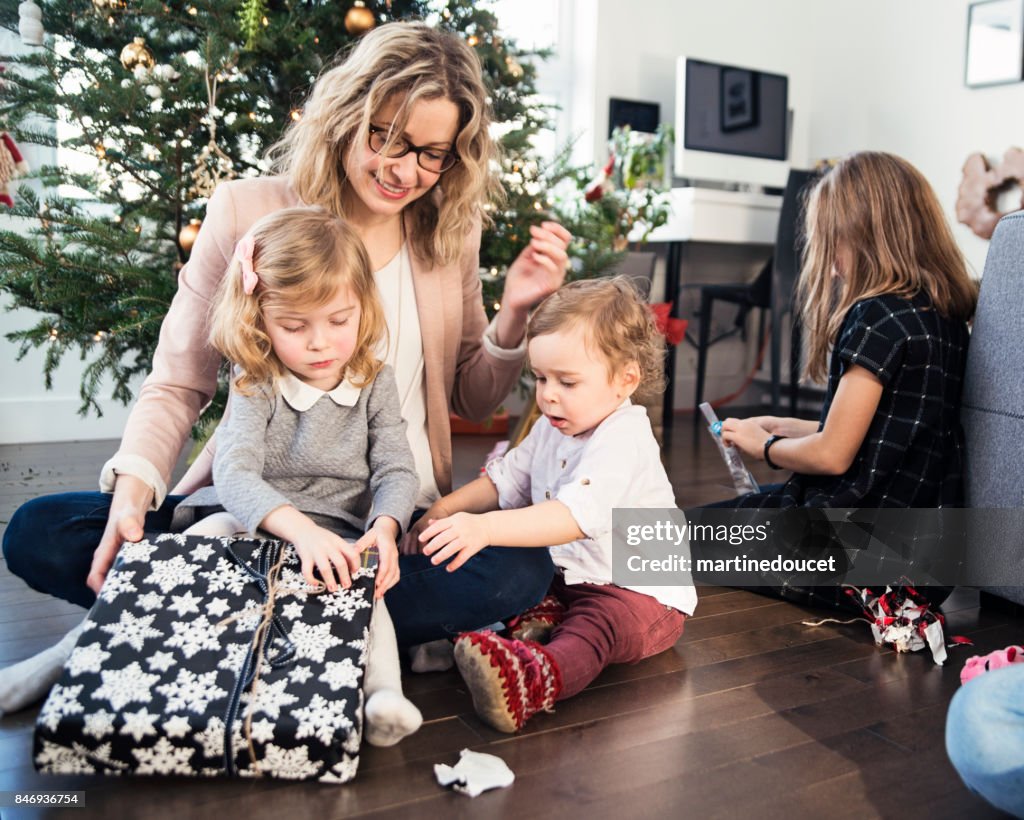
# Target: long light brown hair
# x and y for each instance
(411, 62)
(875, 214)
(616, 321)
(302, 257)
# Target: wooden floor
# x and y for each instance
(751, 714)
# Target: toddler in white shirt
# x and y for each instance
(591, 345)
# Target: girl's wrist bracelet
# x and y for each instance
(767, 446)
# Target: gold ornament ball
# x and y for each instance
(107, 5)
(136, 54)
(359, 19)
(187, 235)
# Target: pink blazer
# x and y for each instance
(460, 374)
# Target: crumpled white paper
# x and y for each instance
(475, 773)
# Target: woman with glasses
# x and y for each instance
(395, 141)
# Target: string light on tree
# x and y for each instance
(359, 19)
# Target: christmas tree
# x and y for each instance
(163, 99)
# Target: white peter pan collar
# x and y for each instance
(301, 396)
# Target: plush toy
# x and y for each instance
(11, 165)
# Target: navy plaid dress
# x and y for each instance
(913, 454)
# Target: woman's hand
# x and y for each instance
(746, 435)
(131, 501)
(462, 535)
(382, 535)
(538, 271)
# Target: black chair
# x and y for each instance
(771, 290)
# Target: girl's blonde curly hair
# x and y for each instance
(616, 321)
(302, 257)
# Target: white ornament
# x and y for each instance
(30, 23)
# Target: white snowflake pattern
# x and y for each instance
(124, 686)
(86, 659)
(202, 552)
(99, 724)
(248, 619)
(234, 656)
(342, 771)
(217, 607)
(172, 573)
(194, 636)
(354, 738)
(341, 675)
(287, 764)
(56, 759)
(160, 661)
(139, 724)
(177, 537)
(132, 630)
(212, 738)
(116, 583)
(137, 551)
(313, 640)
(227, 576)
(270, 698)
(164, 758)
(344, 603)
(322, 719)
(262, 730)
(300, 674)
(185, 604)
(63, 700)
(292, 583)
(191, 691)
(292, 611)
(150, 601)
(176, 726)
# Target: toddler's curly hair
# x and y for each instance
(616, 321)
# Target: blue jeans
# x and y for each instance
(50, 541)
(985, 736)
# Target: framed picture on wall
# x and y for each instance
(738, 103)
(995, 42)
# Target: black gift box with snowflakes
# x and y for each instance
(171, 676)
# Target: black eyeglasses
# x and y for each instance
(435, 160)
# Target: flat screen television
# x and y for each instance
(732, 123)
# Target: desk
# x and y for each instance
(714, 216)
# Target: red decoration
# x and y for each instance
(671, 328)
(11, 165)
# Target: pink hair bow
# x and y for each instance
(243, 253)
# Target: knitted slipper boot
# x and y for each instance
(510, 680)
(537, 622)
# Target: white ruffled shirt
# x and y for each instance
(616, 465)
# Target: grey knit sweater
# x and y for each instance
(349, 463)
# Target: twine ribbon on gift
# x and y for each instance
(266, 574)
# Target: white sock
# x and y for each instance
(435, 656)
(31, 679)
(390, 716)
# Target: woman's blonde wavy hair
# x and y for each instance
(879, 212)
(301, 256)
(616, 321)
(413, 61)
